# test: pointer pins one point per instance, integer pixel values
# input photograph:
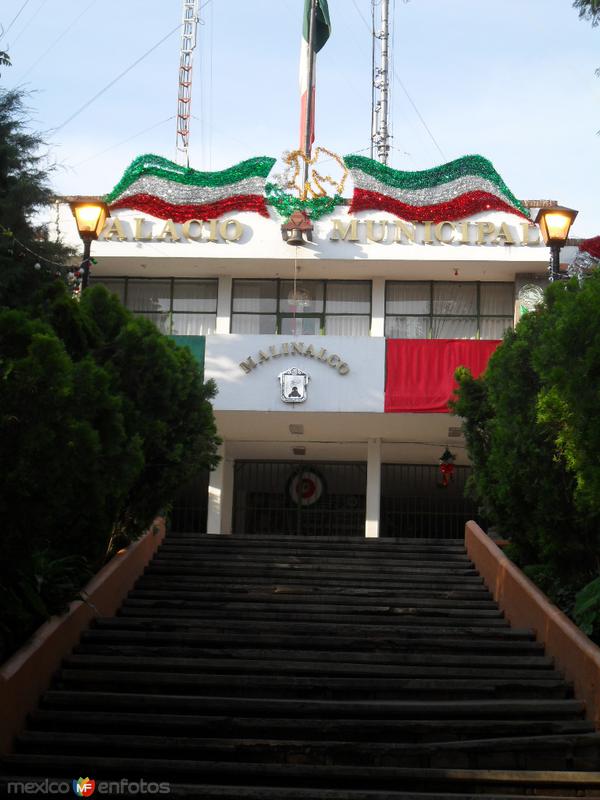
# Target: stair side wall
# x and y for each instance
(28, 673)
(525, 606)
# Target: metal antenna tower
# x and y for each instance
(189, 29)
(380, 135)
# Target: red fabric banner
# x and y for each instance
(420, 372)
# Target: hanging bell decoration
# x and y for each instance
(298, 229)
(447, 460)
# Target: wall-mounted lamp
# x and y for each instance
(555, 224)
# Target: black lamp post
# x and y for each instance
(555, 224)
(90, 216)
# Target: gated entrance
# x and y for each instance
(414, 503)
(321, 499)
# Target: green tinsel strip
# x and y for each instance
(423, 179)
(286, 204)
(160, 167)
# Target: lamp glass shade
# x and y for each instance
(555, 224)
(90, 218)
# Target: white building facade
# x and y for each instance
(334, 358)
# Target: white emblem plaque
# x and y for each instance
(293, 383)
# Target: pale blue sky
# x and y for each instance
(512, 80)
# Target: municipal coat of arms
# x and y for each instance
(293, 383)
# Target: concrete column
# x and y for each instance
(373, 488)
(217, 496)
(227, 496)
(224, 304)
(378, 307)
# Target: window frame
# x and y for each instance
(478, 316)
(280, 315)
(171, 281)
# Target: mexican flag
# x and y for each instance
(321, 34)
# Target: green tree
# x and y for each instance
(588, 10)
(521, 474)
(62, 435)
(568, 363)
(24, 190)
(166, 404)
(101, 416)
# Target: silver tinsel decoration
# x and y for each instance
(184, 194)
(582, 265)
(443, 193)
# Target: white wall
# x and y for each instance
(361, 389)
(261, 239)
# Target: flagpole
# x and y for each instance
(309, 100)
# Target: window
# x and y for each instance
(439, 310)
(175, 306)
(337, 308)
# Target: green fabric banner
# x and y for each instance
(197, 345)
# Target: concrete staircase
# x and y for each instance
(281, 668)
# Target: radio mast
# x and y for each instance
(380, 136)
(189, 29)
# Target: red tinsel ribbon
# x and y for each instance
(591, 246)
(160, 209)
(461, 207)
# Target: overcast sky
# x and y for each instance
(513, 81)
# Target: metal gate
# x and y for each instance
(414, 504)
(322, 499)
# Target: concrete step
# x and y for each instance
(325, 573)
(382, 543)
(396, 615)
(297, 687)
(352, 777)
(453, 559)
(313, 587)
(372, 730)
(313, 592)
(579, 751)
(152, 620)
(129, 632)
(212, 792)
(302, 668)
(276, 708)
(293, 793)
(318, 559)
(348, 601)
(323, 657)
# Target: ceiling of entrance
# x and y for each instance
(406, 438)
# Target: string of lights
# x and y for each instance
(71, 274)
(8, 233)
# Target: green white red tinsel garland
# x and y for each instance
(452, 191)
(166, 190)
(456, 190)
